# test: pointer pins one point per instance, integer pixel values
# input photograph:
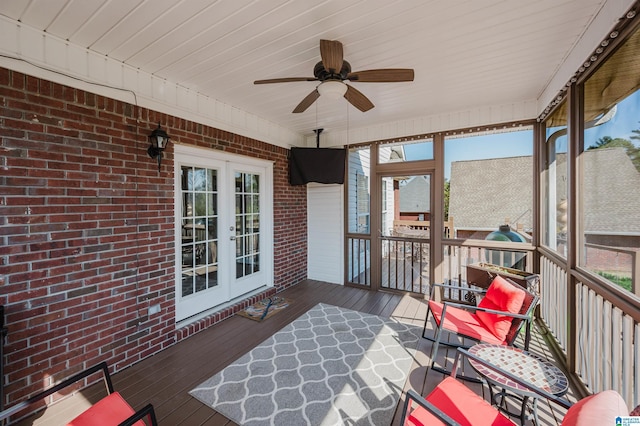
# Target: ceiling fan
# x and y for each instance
(333, 70)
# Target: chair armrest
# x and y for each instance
(414, 396)
(560, 401)
(491, 311)
(146, 411)
(57, 388)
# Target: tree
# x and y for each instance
(447, 186)
(636, 134)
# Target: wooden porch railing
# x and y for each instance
(596, 326)
(600, 336)
(600, 343)
(423, 224)
(405, 264)
(460, 253)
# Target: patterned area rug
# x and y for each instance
(265, 308)
(331, 366)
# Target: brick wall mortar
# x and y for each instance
(87, 233)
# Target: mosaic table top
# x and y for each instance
(528, 367)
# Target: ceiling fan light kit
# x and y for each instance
(332, 89)
(333, 71)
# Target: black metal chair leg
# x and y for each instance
(426, 320)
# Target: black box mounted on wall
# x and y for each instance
(321, 165)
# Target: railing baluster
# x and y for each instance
(636, 363)
(607, 352)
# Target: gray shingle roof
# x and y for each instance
(415, 195)
(485, 192)
(611, 192)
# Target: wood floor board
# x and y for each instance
(165, 379)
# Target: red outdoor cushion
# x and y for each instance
(109, 411)
(598, 409)
(500, 296)
(461, 404)
(460, 321)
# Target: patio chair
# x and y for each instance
(111, 410)
(452, 403)
(503, 311)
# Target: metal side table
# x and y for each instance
(526, 366)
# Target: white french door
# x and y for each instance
(224, 230)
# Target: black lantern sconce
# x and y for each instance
(159, 139)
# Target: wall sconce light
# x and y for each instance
(158, 139)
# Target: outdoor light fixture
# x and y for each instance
(158, 139)
(332, 89)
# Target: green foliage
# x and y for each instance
(624, 282)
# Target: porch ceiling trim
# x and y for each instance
(43, 55)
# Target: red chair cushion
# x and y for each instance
(109, 411)
(462, 322)
(598, 409)
(461, 404)
(501, 296)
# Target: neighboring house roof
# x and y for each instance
(485, 192)
(612, 193)
(415, 195)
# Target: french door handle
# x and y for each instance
(232, 238)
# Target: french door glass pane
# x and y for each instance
(247, 195)
(199, 267)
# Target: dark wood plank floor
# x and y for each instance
(165, 379)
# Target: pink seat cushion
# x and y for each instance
(463, 322)
(598, 409)
(501, 296)
(461, 404)
(109, 411)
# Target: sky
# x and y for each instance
(626, 119)
(519, 143)
(500, 145)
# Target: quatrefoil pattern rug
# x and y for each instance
(331, 366)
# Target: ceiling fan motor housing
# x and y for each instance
(323, 75)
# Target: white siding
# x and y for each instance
(358, 166)
(325, 215)
(388, 207)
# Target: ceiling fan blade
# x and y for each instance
(389, 75)
(284, 80)
(307, 101)
(331, 53)
(357, 99)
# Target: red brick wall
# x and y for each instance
(87, 232)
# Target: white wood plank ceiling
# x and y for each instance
(466, 53)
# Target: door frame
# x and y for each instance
(377, 237)
(435, 168)
(191, 155)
